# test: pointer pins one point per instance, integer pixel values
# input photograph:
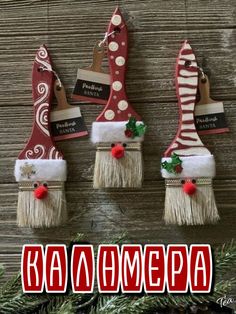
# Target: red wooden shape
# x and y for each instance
(118, 107)
(40, 144)
(186, 141)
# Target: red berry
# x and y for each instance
(189, 188)
(118, 151)
(41, 192)
(178, 169)
(128, 133)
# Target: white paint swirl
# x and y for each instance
(41, 56)
(54, 154)
(36, 153)
(42, 118)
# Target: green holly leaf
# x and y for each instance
(131, 124)
(167, 166)
(141, 129)
(171, 166)
(137, 130)
(176, 160)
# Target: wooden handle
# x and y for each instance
(186, 141)
(117, 51)
(118, 108)
(204, 90)
(60, 94)
(40, 144)
(98, 55)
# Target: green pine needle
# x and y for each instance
(2, 270)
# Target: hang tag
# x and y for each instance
(209, 114)
(93, 84)
(66, 120)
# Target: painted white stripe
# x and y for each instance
(187, 47)
(189, 142)
(188, 73)
(187, 98)
(185, 90)
(193, 151)
(189, 56)
(193, 135)
(188, 107)
(187, 116)
(188, 80)
(188, 126)
(193, 63)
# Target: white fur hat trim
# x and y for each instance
(40, 170)
(112, 132)
(193, 167)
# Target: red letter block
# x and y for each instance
(177, 268)
(56, 268)
(200, 268)
(82, 268)
(154, 268)
(32, 260)
(131, 268)
(108, 268)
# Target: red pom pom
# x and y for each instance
(189, 188)
(118, 151)
(128, 133)
(41, 192)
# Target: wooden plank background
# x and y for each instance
(156, 30)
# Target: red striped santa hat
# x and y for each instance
(187, 157)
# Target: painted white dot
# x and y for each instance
(112, 57)
(109, 114)
(116, 20)
(129, 114)
(117, 72)
(122, 105)
(113, 46)
(117, 85)
(112, 36)
(123, 43)
(114, 97)
(118, 111)
(120, 61)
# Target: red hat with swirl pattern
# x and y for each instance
(40, 168)
(118, 130)
(188, 166)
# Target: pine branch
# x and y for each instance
(2, 270)
(149, 304)
(10, 289)
(53, 305)
(225, 258)
(23, 303)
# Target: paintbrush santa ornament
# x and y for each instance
(188, 166)
(40, 168)
(118, 130)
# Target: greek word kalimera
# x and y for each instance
(129, 268)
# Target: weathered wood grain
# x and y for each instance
(152, 56)
(156, 29)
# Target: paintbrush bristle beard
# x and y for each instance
(182, 209)
(126, 172)
(37, 213)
